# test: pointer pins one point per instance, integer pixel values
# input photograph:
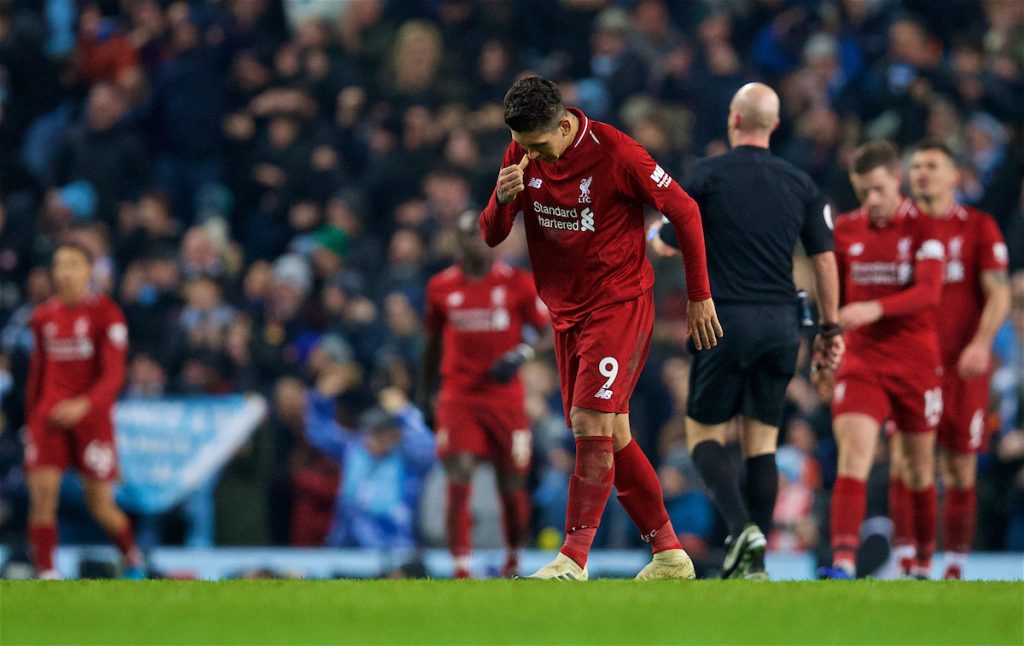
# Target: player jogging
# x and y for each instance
(75, 374)
(582, 186)
(975, 301)
(476, 311)
(890, 269)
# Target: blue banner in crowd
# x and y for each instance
(169, 447)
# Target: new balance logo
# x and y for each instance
(536, 182)
(660, 177)
(604, 393)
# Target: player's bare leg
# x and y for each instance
(641, 496)
(900, 508)
(919, 451)
(856, 436)
(961, 514)
(99, 498)
(459, 468)
(515, 503)
(589, 488)
(43, 496)
(746, 543)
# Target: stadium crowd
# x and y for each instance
(267, 185)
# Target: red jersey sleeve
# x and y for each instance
(433, 318)
(36, 362)
(496, 220)
(992, 252)
(534, 311)
(647, 181)
(112, 349)
(927, 288)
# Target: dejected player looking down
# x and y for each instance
(582, 186)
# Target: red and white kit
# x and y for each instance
(479, 320)
(584, 217)
(892, 368)
(974, 245)
(79, 350)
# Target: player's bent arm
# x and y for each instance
(417, 441)
(925, 292)
(430, 368)
(496, 220)
(826, 286)
(112, 356)
(995, 286)
(321, 429)
(35, 374)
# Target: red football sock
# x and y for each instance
(516, 508)
(924, 504)
(458, 519)
(641, 496)
(900, 513)
(960, 519)
(589, 488)
(43, 539)
(849, 498)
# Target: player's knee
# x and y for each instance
(511, 482)
(592, 424)
(920, 473)
(42, 503)
(459, 469)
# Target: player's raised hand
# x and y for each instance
(702, 323)
(511, 181)
(974, 360)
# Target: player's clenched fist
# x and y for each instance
(510, 181)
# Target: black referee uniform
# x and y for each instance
(754, 207)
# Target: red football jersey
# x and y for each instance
(79, 350)
(974, 245)
(584, 216)
(478, 320)
(900, 265)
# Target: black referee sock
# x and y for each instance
(761, 488)
(713, 464)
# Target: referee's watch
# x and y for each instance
(829, 330)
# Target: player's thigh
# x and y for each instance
(568, 365)
(916, 401)
(460, 429)
(94, 451)
(509, 439)
(862, 392)
(764, 398)
(962, 428)
(612, 349)
(856, 436)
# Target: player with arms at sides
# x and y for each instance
(582, 187)
(975, 301)
(476, 314)
(890, 268)
(75, 374)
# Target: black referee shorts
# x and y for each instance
(748, 371)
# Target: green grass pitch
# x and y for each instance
(510, 612)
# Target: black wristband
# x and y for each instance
(829, 330)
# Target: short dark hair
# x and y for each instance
(879, 153)
(533, 103)
(932, 143)
(74, 246)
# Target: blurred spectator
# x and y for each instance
(383, 463)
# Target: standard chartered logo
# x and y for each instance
(562, 219)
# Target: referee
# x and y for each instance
(754, 207)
